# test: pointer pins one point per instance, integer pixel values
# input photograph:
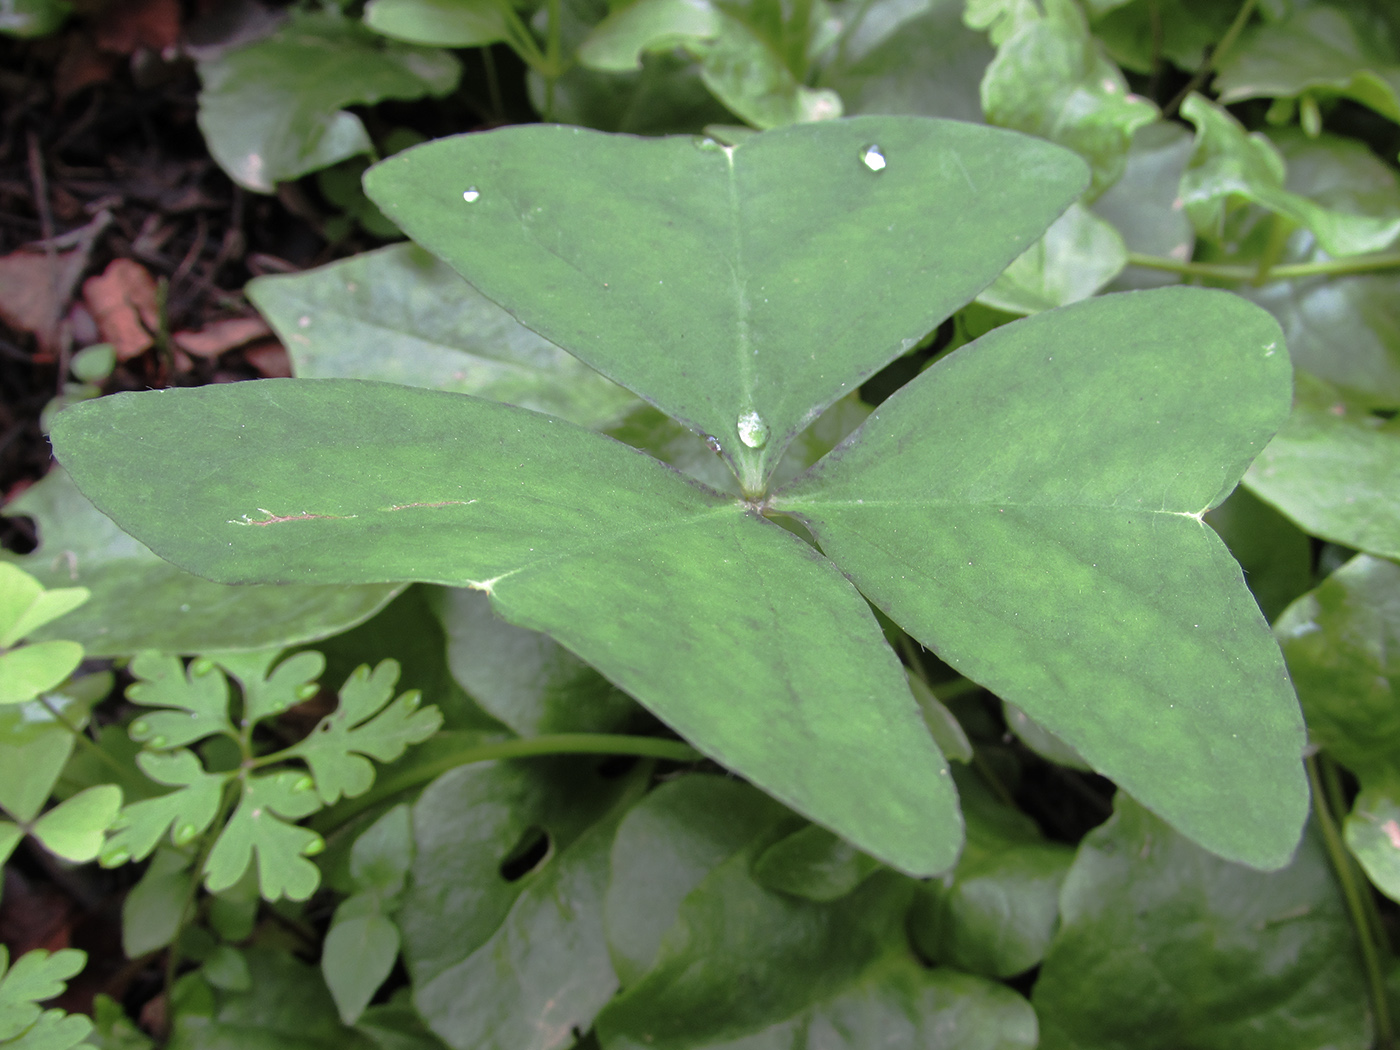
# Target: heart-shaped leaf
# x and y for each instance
(1050, 545)
(700, 275)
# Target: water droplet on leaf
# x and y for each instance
(470, 194)
(873, 157)
(713, 444)
(753, 431)
(709, 145)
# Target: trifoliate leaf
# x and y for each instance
(335, 748)
(189, 810)
(35, 976)
(10, 835)
(264, 694)
(281, 848)
(200, 700)
(74, 828)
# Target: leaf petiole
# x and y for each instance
(1231, 272)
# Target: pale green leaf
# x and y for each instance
(34, 746)
(259, 828)
(399, 315)
(10, 836)
(267, 694)
(1162, 945)
(25, 605)
(141, 602)
(36, 668)
(348, 481)
(185, 813)
(226, 968)
(1079, 254)
(1051, 79)
(1333, 469)
(1230, 165)
(74, 828)
(705, 276)
(442, 23)
(273, 110)
(34, 977)
(744, 70)
(1051, 547)
(199, 700)
(364, 724)
(617, 42)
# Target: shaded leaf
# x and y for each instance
(154, 909)
(1373, 833)
(383, 853)
(1136, 33)
(524, 678)
(1144, 208)
(399, 315)
(1275, 554)
(617, 42)
(626, 269)
(358, 954)
(743, 69)
(1164, 945)
(665, 847)
(994, 914)
(1332, 469)
(1051, 79)
(141, 602)
(898, 56)
(31, 18)
(1315, 49)
(272, 110)
(815, 864)
(1341, 641)
(1002, 537)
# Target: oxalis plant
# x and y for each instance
(1029, 508)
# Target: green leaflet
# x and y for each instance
(696, 274)
(575, 530)
(1026, 546)
(140, 602)
(33, 978)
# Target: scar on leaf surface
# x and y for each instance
(277, 519)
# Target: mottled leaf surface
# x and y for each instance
(1047, 541)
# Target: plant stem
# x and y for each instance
(529, 747)
(1324, 803)
(172, 956)
(1213, 59)
(82, 738)
(1228, 272)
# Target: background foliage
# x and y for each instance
(316, 858)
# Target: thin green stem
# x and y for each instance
(493, 83)
(1228, 272)
(122, 771)
(1213, 59)
(1332, 785)
(172, 956)
(530, 747)
(1353, 893)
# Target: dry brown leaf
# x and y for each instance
(270, 359)
(214, 338)
(35, 287)
(128, 26)
(123, 303)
